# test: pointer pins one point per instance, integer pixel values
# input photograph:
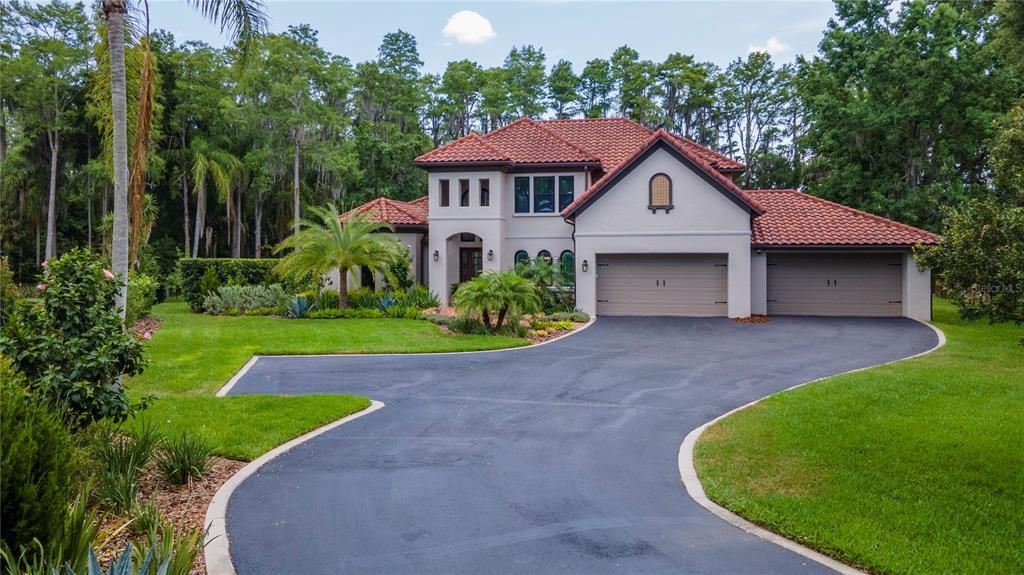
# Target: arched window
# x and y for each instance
(521, 257)
(660, 193)
(544, 255)
(567, 263)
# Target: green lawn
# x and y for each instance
(914, 467)
(192, 356)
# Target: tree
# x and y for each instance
(210, 163)
(635, 83)
(495, 101)
(596, 85)
(499, 292)
(753, 101)
(327, 243)
(525, 81)
(688, 91)
(460, 95)
(245, 21)
(563, 90)
(53, 56)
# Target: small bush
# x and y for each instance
(326, 299)
(235, 300)
(146, 517)
(362, 298)
(118, 489)
(262, 311)
(121, 457)
(515, 329)
(576, 316)
(437, 318)
(67, 553)
(549, 325)
(177, 550)
(184, 458)
(231, 272)
(403, 312)
(467, 325)
(141, 296)
(419, 297)
(8, 289)
(39, 468)
(350, 313)
(209, 282)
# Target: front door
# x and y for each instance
(471, 262)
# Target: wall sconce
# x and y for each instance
(586, 266)
(490, 255)
(437, 255)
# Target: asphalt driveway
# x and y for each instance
(559, 458)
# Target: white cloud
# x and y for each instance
(468, 27)
(773, 46)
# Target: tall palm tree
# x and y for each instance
(321, 246)
(209, 163)
(244, 20)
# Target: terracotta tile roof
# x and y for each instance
(793, 218)
(606, 142)
(680, 146)
(394, 212)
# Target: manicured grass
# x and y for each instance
(192, 356)
(914, 467)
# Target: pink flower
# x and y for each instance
(41, 287)
(46, 264)
(146, 335)
(108, 274)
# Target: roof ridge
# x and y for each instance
(558, 137)
(711, 170)
(869, 215)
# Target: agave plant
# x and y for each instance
(299, 307)
(124, 564)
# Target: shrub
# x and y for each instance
(38, 468)
(184, 458)
(505, 295)
(262, 311)
(436, 318)
(468, 325)
(299, 307)
(362, 298)
(141, 296)
(146, 518)
(118, 489)
(242, 298)
(67, 553)
(201, 276)
(420, 297)
(576, 316)
(386, 302)
(178, 551)
(403, 312)
(74, 347)
(326, 299)
(8, 290)
(349, 313)
(548, 325)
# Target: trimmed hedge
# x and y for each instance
(226, 271)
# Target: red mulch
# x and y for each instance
(183, 506)
(145, 326)
(752, 319)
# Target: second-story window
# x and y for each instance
(543, 194)
(444, 194)
(485, 192)
(566, 191)
(464, 193)
(522, 192)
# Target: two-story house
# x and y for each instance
(653, 224)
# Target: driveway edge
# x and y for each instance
(688, 474)
(216, 546)
(226, 388)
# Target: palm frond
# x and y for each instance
(245, 21)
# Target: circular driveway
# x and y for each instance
(560, 458)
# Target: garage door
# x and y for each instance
(835, 284)
(647, 284)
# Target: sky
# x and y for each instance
(578, 31)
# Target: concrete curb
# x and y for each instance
(216, 544)
(688, 474)
(226, 388)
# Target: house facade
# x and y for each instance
(653, 224)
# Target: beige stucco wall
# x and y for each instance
(917, 290)
(758, 283)
(703, 221)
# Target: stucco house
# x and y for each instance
(653, 223)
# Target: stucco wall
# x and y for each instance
(917, 290)
(759, 283)
(703, 221)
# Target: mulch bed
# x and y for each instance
(752, 319)
(183, 506)
(552, 334)
(144, 327)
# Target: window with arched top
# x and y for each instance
(521, 257)
(567, 263)
(544, 255)
(660, 193)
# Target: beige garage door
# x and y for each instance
(649, 284)
(835, 284)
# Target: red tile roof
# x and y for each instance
(793, 218)
(394, 212)
(681, 146)
(603, 142)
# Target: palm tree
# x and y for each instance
(245, 22)
(501, 292)
(214, 164)
(321, 246)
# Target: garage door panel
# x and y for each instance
(835, 284)
(662, 284)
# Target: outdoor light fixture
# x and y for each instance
(586, 265)
(490, 255)
(437, 255)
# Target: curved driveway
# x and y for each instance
(559, 458)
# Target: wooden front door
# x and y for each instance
(471, 262)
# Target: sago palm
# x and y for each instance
(326, 243)
(245, 22)
(500, 292)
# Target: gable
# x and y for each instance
(621, 205)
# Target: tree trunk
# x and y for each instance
(184, 193)
(295, 188)
(501, 318)
(258, 226)
(115, 12)
(200, 217)
(88, 221)
(487, 318)
(51, 210)
(37, 242)
(236, 241)
(342, 288)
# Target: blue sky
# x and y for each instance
(578, 31)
